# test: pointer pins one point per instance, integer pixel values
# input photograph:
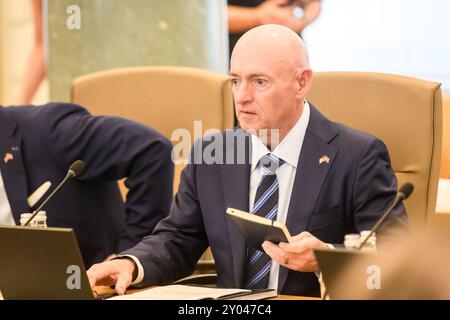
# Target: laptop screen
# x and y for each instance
(42, 264)
(349, 274)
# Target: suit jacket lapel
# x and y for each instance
(11, 166)
(310, 176)
(236, 185)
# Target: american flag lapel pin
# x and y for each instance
(8, 157)
(325, 159)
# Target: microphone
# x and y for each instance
(403, 194)
(75, 169)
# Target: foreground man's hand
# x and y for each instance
(118, 272)
(297, 255)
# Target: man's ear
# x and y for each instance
(304, 79)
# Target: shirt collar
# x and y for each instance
(289, 148)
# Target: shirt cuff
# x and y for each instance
(140, 268)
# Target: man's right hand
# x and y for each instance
(118, 272)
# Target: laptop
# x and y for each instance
(350, 274)
(42, 264)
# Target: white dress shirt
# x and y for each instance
(289, 151)
(6, 217)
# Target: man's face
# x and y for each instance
(265, 91)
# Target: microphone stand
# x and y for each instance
(404, 192)
(377, 225)
(69, 175)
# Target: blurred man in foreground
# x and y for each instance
(39, 144)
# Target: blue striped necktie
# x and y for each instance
(265, 205)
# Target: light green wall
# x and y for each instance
(119, 33)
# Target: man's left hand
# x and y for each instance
(297, 255)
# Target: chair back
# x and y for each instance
(405, 113)
(165, 98)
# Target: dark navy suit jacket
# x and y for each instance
(45, 140)
(347, 195)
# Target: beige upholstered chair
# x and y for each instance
(405, 113)
(443, 198)
(165, 98)
(445, 164)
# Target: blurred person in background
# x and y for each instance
(244, 15)
(35, 69)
